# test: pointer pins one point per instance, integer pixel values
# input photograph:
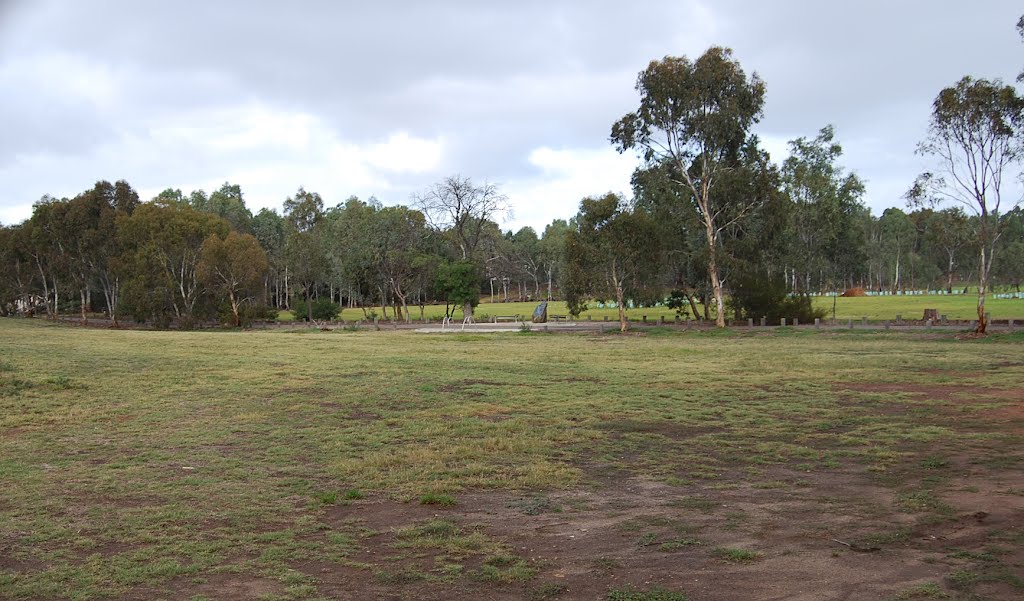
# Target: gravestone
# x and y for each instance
(540, 314)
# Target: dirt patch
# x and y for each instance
(585, 543)
(226, 587)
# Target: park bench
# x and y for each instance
(558, 317)
(512, 318)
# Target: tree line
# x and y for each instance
(713, 226)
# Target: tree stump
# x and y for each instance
(932, 314)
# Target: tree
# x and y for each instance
(552, 251)
(228, 204)
(162, 251)
(948, 231)
(269, 229)
(897, 238)
(304, 242)
(825, 206)
(975, 136)
(612, 253)
(459, 284)
(234, 266)
(463, 209)
(696, 115)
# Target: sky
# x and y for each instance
(385, 99)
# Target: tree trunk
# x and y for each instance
(234, 309)
(693, 306)
(467, 311)
(716, 285)
(982, 288)
(309, 305)
(84, 299)
(549, 284)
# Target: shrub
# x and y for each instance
(325, 310)
(757, 295)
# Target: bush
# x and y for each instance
(757, 295)
(325, 310)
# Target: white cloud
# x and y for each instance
(565, 177)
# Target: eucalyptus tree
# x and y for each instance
(234, 267)
(304, 242)
(613, 253)
(269, 228)
(697, 115)
(975, 138)
(551, 251)
(827, 244)
(948, 233)
(161, 252)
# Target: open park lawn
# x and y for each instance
(397, 465)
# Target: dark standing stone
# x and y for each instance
(540, 314)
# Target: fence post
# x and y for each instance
(782, 322)
(677, 319)
(887, 324)
(796, 321)
(899, 319)
(943, 319)
(750, 322)
(851, 324)
(864, 320)
(645, 319)
(764, 321)
(661, 320)
(817, 322)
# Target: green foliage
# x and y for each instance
(613, 254)
(324, 309)
(459, 283)
(757, 295)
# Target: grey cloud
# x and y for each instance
(494, 80)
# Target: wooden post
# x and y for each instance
(899, 319)
(851, 324)
(887, 324)
(864, 320)
(661, 320)
(796, 321)
(645, 319)
(764, 321)
(750, 322)
(817, 322)
(782, 322)
(677, 319)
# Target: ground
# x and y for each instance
(875, 308)
(395, 465)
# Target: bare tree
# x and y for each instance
(457, 205)
(463, 209)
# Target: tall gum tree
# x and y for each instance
(696, 115)
(976, 137)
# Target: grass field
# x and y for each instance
(873, 307)
(364, 465)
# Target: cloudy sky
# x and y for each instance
(387, 98)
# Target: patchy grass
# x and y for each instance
(133, 462)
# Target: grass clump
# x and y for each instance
(654, 594)
(928, 590)
(442, 500)
(737, 555)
